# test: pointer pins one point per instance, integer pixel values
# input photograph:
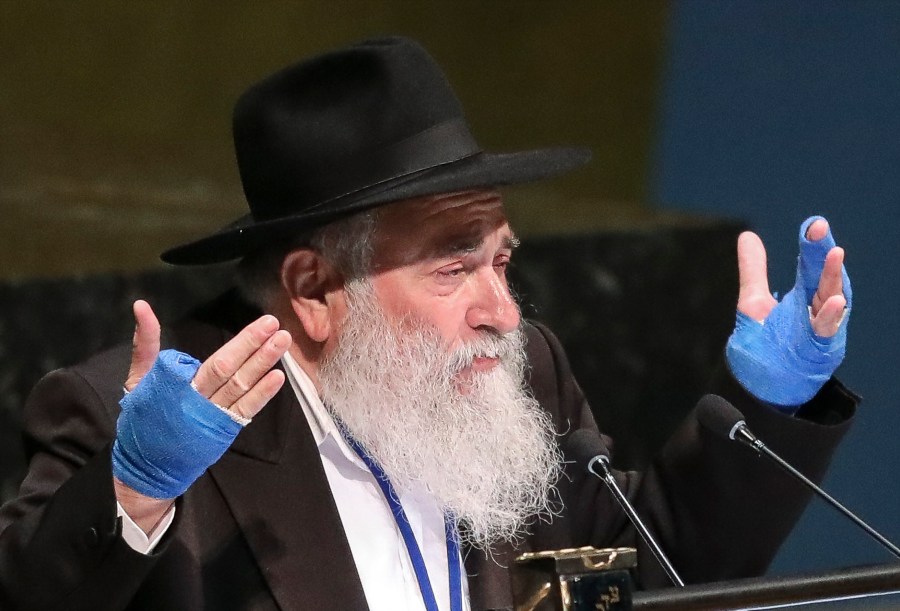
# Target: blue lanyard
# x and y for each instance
(415, 554)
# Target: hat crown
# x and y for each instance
(349, 130)
(321, 129)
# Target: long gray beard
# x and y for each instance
(487, 454)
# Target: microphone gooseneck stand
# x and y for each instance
(722, 418)
(742, 434)
(606, 476)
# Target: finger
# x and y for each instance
(253, 369)
(144, 343)
(225, 361)
(827, 322)
(262, 392)
(831, 281)
(754, 298)
(816, 242)
(817, 230)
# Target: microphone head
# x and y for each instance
(719, 416)
(583, 445)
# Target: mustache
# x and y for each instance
(491, 344)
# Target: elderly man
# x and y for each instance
(407, 425)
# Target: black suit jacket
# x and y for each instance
(260, 529)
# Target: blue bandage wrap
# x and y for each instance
(782, 361)
(168, 434)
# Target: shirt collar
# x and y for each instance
(324, 429)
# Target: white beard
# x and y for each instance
(483, 448)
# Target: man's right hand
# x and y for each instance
(238, 377)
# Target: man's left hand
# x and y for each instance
(782, 352)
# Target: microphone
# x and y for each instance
(722, 418)
(588, 449)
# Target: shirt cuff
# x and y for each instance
(136, 538)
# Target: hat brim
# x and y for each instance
(246, 235)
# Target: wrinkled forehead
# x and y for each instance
(435, 225)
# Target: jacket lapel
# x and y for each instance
(274, 484)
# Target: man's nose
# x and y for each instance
(493, 305)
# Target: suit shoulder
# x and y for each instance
(543, 348)
(97, 380)
(106, 368)
(546, 362)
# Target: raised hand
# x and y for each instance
(179, 416)
(784, 352)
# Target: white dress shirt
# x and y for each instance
(379, 551)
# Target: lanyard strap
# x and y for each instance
(412, 547)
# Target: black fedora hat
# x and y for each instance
(348, 130)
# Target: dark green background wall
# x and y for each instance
(115, 117)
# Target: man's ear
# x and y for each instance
(308, 279)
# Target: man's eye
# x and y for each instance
(452, 272)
